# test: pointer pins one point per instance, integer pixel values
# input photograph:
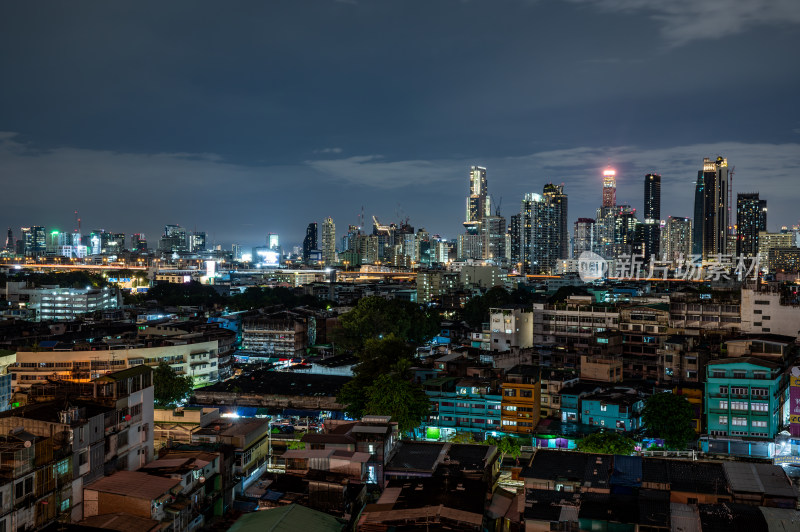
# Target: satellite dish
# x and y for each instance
(796, 371)
(27, 443)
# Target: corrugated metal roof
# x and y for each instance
(134, 484)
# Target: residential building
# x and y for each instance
(584, 235)
(765, 309)
(279, 335)
(433, 284)
(574, 323)
(493, 235)
(645, 327)
(462, 405)
(751, 219)
(521, 404)
(53, 303)
(617, 408)
(328, 241)
(479, 203)
(310, 242)
(714, 220)
(552, 381)
(599, 368)
(652, 216)
(676, 240)
(250, 440)
(176, 425)
(511, 327)
(745, 397)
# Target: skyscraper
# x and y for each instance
(138, 242)
(699, 214)
(676, 239)
(197, 241)
(174, 239)
(34, 241)
(652, 215)
(493, 233)
(751, 217)
(542, 238)
(515, 239)
(609, 187)
(583, 237)
(556, 198)
(10, 240)
(310, 241)
(328, 241)
(715, 207)
(478, 201)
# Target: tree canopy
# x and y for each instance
(169, 388)
(395, 396)
(377, 357)
(376, 317)
(607, 442)
(476, 310)
(669, 416)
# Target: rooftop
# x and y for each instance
(134, 484)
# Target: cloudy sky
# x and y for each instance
(242, 118)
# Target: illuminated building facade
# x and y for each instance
(676, 239)
(583, 237)
(609, 187)
(751, 218)
(310, 241)
(478, 201)
(715, 207)
(328, 241)
(652, 215)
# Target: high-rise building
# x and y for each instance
(310, 241)
(699, 214)
(583, 237)
(515, 240)
(751, 218)
(541, 220)
(493, 234)
(197, 241)
(34, 241)
(478, 201)
(54, 241)
(554, 194)
(652, 215)
(715, 207)
(609, 187)
(174, 239)
(328, 241)
(273, 242)
(676, 239)
(138, 242)
(10, 240)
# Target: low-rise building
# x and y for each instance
(511, 327)
(521, 404)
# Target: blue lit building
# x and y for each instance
(619, 408)
(461, 405)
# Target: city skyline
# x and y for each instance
(243, 122)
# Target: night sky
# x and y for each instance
(242, 118)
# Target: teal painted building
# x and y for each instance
(461, 405)
(619, 409)
(745, 397)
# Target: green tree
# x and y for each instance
(461, 437)
(394, 396)
(669, 416)
(607, 443)
(376, 317)
(169, 388)
(378, 356)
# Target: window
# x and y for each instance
(759, 407)
(739, 375)
(723, 389)
(759, 423)
(738, 390)
(718, 374)
(723, 404)
(723, 420)
(760, 392)
(510, 392)
(739, 421)
(739, 405)
(526, 393)
(83, 458)
(603, 408)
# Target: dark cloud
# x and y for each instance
(262, 117)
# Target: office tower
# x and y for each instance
(328, 241)
(236, 251)
(349, 240)
(138, 242)
(310, 241)
(117, 242)
(34, 241)
(699, 214)
(609, 187)
(273, 242)
(541, 229)
(676, 239)
(493, 235)
(751, 218)
(715, 207)
(197, 242)
(583, 237)
(478, 201)
(53, 241)
(554, 195)
(10, 240)
(515, 240)
(652, 215)
(174, 239)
